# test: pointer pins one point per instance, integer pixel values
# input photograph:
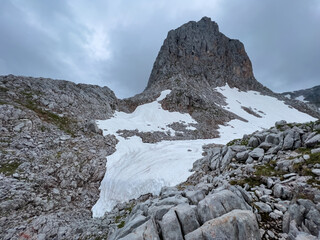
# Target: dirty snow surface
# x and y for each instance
(137, 168)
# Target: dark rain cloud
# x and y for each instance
(115, 43)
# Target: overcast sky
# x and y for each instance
(115, 43)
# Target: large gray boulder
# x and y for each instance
(253, 142)
(242, 156)
(170, 226)
(257, 153)
(133, 222)
(313, 141)
(288, 140)
(273, 139)
(147, 231)
(237, 224)
(187, 216)
(158, 211)
(227, 158)
(295, 212)
(195, 196)
(217, 204)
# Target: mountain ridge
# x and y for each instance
(309, 95)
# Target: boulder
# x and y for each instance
(253, 142)
(237, 224)
(257, 153)
(313, 141)
(158, 211)
(316, 171)
(273, 139)
(238, 148)
(195, 196)
(265, 146)
(132, 223)
(170, 226)
(147, 231)
(312, 221)
(93, 127)
(227, 158)
(295, 212)
(295, 234)
(282, 191)
(280, 123)
(263, 207)
(288, 140)
(315, 150)
(175, 200)
(242, 156)
(187, 216)
(217, 204)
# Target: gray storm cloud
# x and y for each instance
(114, 43)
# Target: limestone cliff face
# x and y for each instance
(200, 53)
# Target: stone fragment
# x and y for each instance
(316, 171)
(257, 153)
(242, 156)
(282, 191)
(313, 141)
(253, 142)
(288, 140)
(263, 207)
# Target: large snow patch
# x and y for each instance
(268, 108)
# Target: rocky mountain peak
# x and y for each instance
(198, 51)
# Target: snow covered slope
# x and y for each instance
(138, 168)
(260, 111)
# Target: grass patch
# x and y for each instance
(238, 142)
(63, 123)
(251, 181)
(268, 170)
(129, 209)
(304, 150)
(117, 219)
(58, 154)
(303, 169)
(3, 89)
(9, 168)
(43, 128)
(121, 225)
(260, 171)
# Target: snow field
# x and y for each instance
(137, 168)
(269, 108)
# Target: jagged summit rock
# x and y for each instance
(198, 53)
(193, 61)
